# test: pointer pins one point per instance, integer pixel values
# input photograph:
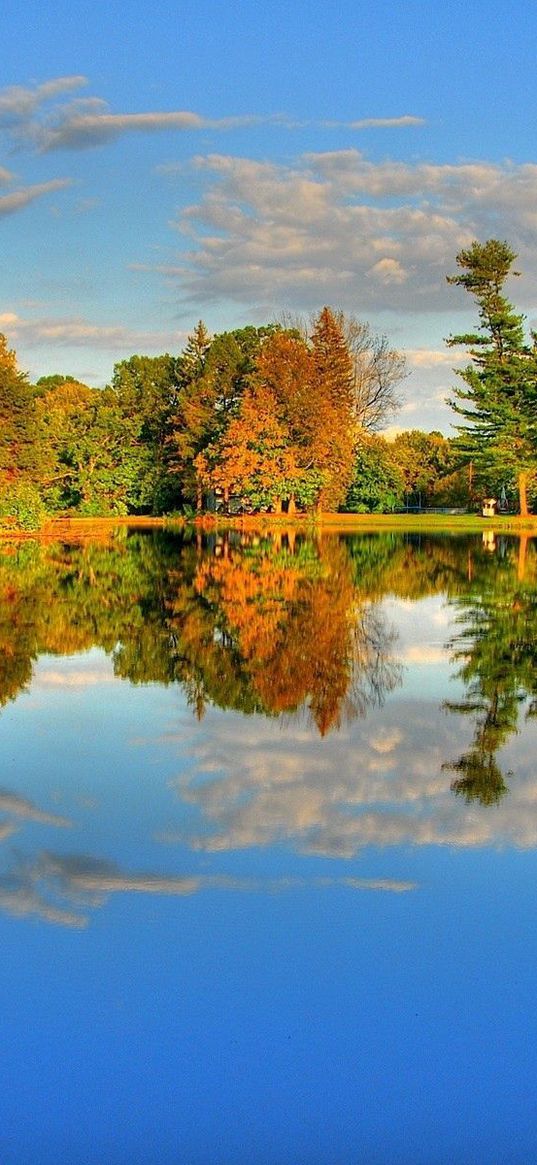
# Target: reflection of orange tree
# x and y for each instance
(294, 625)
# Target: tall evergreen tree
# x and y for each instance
(333, 379)
(499, 401)
(191, 362)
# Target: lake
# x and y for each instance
(268, 860)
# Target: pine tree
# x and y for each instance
(499, 400)
(191, 361)
(333, 379)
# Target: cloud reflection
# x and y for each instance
(22, 809)
(376, 784)
(39, 889)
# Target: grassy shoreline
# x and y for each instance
(59, 528)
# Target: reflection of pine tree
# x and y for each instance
(497, 647)
(481, 778)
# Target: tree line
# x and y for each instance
(285, 416)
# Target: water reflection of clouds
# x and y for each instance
(18, 809)
(83, 669)
(48, 678)
(424, 654)
(379, 783)
(41, 888)
(62, 888)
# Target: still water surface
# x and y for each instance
(268, 850)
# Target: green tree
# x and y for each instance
(499, 401)
(91, 451)
(377, 484)
(495, 646)
(425, 461)
(19, 452)
(146, 391)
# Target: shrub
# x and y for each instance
(22, 506)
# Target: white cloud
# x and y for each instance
(424, 654)
(19, 199)
(381, 783)
(74, 679)
(31, 888)
(21, 809)
(432, 358)
(77, 131)
(18, 102)
(20, 898)
(386, 741)
(387, 122)
(83, 123)
(339, 228)
(81, 333)
(388, 271)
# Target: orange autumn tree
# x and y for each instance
(284, 366)
(313, 386)
(291, 437)
(254, 458)
(334, 439)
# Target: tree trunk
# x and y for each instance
(523, 493)
(291, 509)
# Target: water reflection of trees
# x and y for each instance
(496, 649)
(276, 626)
(290, 620)
(241, 622)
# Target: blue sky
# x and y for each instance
(161, 164)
